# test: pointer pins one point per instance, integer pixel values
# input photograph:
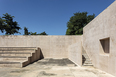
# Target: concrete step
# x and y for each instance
(87, 64)
(86, 60)
(18, 48)
(15, 54)
(86, 56)
(12, 59)
(18, 56)
(10, 64)
(30, 51)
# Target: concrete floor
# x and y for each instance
(53, 68)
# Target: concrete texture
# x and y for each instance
(51, 46)
(18, 56)
(86, 61)
(75, 53)
(102, 27)
(103, 56)
(53, 68)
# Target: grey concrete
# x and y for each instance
(50, 45)
(75, 53)
(85, 59)
(18, 56)
(101, 28)
(52, 68)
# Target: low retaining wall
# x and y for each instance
(75, 53)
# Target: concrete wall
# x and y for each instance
(102, 27)
(51, 46)
(75, 53)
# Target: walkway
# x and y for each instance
(52, 68)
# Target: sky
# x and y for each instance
(50, 16)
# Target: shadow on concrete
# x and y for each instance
(41, 54)
(41, 57)
(56, 62)
(83, 59)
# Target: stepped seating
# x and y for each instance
(18, 56)
(85, 59)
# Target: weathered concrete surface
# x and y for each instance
(53, 68)
(75, 53)
(103, 26)
(51, 46)
(18, 56)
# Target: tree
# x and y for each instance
(77, 22)
(9, 26)
(1, 25)
(26, 31)
(35, 33)
(43, 33)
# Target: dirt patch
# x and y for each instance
(43, 73)
(19, 71)
(56, 62)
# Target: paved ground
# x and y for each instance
(52, 68)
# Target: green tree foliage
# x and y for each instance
(1, 25)
(9, 26)
(26, 31)
(77, 22)
(43, 33)
(35, 33)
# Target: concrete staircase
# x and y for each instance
(18, 56)
(85, 59)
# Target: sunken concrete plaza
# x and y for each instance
(53, 68)
(86, 55)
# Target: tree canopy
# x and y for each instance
(43, 33)
(26, 32)
(77, 22)
(35, 33)
(8, 26)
